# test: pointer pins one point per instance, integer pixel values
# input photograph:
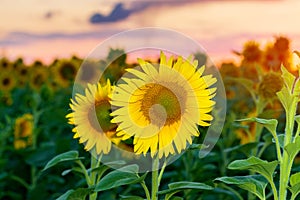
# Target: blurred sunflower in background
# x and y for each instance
(5, 65)
(89, 72)
(91, 117)
(175, 91)
(23, 131)
(38, 77)
(251, 52)
(64, 72)
(270, 84)
(7, 81)
(23, 74)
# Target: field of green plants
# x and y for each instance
(47, 151)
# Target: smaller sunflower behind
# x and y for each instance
(270, 84)
(91, 117)
(23, 131)
(38, 77)
(7, 81)
(23, 74)
(64, 72)
(5, 65)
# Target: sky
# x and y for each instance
(40, 29)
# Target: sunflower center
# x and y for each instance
(100, 115)
(6, 81)
(160, 103)
(68, 71)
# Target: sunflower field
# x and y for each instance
(136, 132)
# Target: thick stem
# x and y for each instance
(155, 166)
(93, 175)
(286, 164)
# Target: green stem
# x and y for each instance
(93, 174)
(275, 194)
(155, 185)
(162, 172)
(84, 171)
(278, 150)
(286, 164)
(21, 181)
(146, 190)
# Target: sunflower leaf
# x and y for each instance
(131, 197)
(183, 185)
(289, 79)
(124, 176)
(65, 195)
(257, 165)
(254, 184)
(293, 148)
(67, 156)
(295, 184)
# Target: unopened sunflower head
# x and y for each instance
(23, 131)
(91, 117)
(270, 84)
(161, 106)
(252, 52)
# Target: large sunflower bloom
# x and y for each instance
(162, 106)
(91, 116)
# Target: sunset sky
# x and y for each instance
(40, 29)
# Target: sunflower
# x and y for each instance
(252, 52)
(7, 81)
(5, 65)
(270, 84)
(64, 72)
(162, 106)
(91, 117)
(23, 131)
(90, 71)
(23, 74)
(38, 77)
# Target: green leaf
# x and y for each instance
(79, 194)
(103, 168)
(295, 184)
(270, 124)
(67, 156)
(123, 176)
(254, 184)
(131, 197)
(285, 98)
(65, 195)
(289, 79)
(257, 165)
(184, 185)
(293, 148)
